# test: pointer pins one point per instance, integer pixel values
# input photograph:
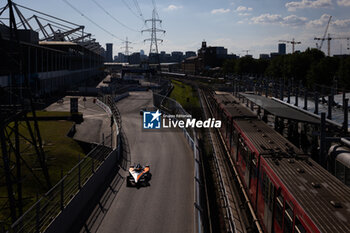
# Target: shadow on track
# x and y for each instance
(93, 214)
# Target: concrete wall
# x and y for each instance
(73, 210)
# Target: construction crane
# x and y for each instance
(344, 38)
(329, 38)
(293, 42)
(246, 51)
(324, 38)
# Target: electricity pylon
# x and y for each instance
(153, 30)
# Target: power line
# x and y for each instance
(138, 8)
(122, 24)
(154, 4)
(127, 5)
(155, 8)
(91, 21)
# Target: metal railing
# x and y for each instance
(38, 217)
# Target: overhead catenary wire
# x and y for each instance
(91, 21)
(119, 22)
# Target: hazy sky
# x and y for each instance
(238, 25)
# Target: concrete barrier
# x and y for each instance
(120, 97)
(73, 210)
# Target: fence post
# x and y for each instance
(276, 89)
(316, 103)
(305, 98)
(79, 174)
(322, 155)
(2, 227)
(282, 90)
(288, 91)
(330, 103)
(92, 166)
(62, 191)
(37, 219)
(346, 109)
(296, 96)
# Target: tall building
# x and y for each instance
(109, 52)
(121, 57)
(282, 49)
(212, 56)
(165, 57)
(190, 54)
(135, 58)
(177, 56)
(264, 56)
(273, 55)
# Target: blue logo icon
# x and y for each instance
(151, 120)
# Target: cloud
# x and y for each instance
(220, 11)
(267, 18)
(322, 21)
(291, 20)
(244, 14)
(243, 8)
(292, 6)
(343, 2)
(341, 23)
(172, 8)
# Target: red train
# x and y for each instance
(288, 191)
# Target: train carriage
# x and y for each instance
(289, 191)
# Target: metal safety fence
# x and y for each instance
(46, 209)
(38, 217)
(173, 107)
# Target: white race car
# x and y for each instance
(138, 175)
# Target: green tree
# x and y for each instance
(344, 73)
(229, 66)
(246, 65)
(323, 72)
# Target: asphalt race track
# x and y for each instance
(167, 204)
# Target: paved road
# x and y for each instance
(167, 204)
(96, 124)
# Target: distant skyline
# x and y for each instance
(238, 25)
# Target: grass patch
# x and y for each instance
(61, 152)
(187, 97)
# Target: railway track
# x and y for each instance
(238, 212)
